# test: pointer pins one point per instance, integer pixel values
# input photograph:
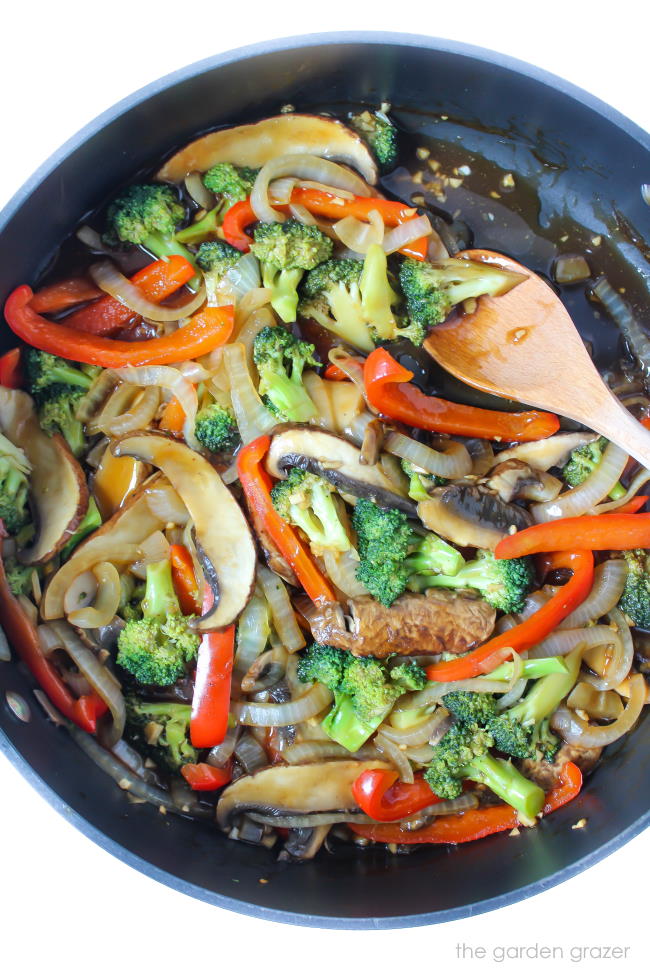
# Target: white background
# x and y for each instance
(67, 906)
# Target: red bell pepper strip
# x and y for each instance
(22, 635)
(64, 294)
(390, 392)
(205, 778)
(380, 795)
(241, 215)
(193, 340)
(336, 375)
(211, 699)
(256, 485)
(633, 505)
(156, 281)
(10, 372)
(473, 824)
(593, 532)
(524, 636)
(184, 579)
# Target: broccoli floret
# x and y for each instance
(420, 482)
(308, 501)
(471, 706)
(161, 730)
(503, 583)
(286, 250)
(463, 754)
(392, 555)
(147, 215)
(19, 577)
(44, 370)
(583, 461)
(280, 359)
(90, 522)
(356, 302)
(14, 486)
(364, 688)
(56, 414)
(432, 290)
(216, 258)
(232, 183)
(523, 730)
(156, 648)
(381, 135)
(216, 428)
(635, 601)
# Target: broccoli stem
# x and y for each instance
(531, 669)
(434, 555)
(289, 397)
(547, 693)
(508, 783)
(284, 294)
(343, 726)
(160, 600)
(200, 229)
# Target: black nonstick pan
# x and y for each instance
(577, 168)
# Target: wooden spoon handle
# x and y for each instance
(610, 418)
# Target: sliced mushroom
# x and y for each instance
(57, 487)
(517, 479)
(224, 541)
(293, 790)
(436, 622)
(552, 452)
(255, 144)
(547, 775)
(272, 555)
(117, 541)
(335, 459)
(466, 514)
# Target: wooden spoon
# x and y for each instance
(524, 346)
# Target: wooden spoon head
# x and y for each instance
(522, 346)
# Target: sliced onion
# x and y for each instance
(116, 404)
(357, 235)
(302, 166)
(106, 601)
(312, 184)
(250, 754)
(562, 642)
(101, 387)
(607, 589)
(220, 755)
(351, 365)
(80, 592)
(341, 567)
(280, 190)
(284, 618)
(452, 461)
(580, 499)
(155, 548)
(198, 190)
(575, 731)
(395, 756)
(174, 381)
(420, 733)
(245, 277)
(638, 481)
(271, 715)
(253, 631)
(266, 671)
(434, 693)
(552, 452)
(306, 752)
(448, 807)
(194, 372)
(164, 502)
(254, 319)
(318, 394)
(405, 233)
(420, 754)
(137, 417)
(482, 454)
(114, 283)
(91, 239)
(253, 419)
(618, 666)
(98, 676)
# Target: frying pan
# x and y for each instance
(575, 157)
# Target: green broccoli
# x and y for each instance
(286, 250)
(43, 371)
(14, 486)
(420, 481)
(523, 730)
(216, 258)
(409, 675)
(231, 183)
(392, 555)
(308, 501)
(280, 359)
(463, 754)
(503, 583)
(19, 577)
(583, 461)
(57, 414)
(156, 648)
(354, 300)
(432, 290)
(216, 428)
(147, 215)
(161, 730)
(90, 522)
(471, 707)
(635, 600)
(364, 690)
(377, 130)
(131, 596)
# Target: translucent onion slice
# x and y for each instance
(576, 731)
(80, 592)
(302, 166)
(482, 455)
(607, 589)
(318, 394)
(164, 503)
(357, 235)
(284, 618)
(102, 385)
(198, 191)
(618, 666)
(637, 483)
(173, 380)
(137, 417)
(253, 631)
(452, 461)
(244, 276)
(280, 190)
(561, 642)
(306, 752)
(117, 404)
(405, 233)
(341, 567)
(109, 279)
(302, 214)
(106, 601)
(271, 715)
(420, 733)
(580, 499)
(220, 755)
(253, 419)
(394, 754)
